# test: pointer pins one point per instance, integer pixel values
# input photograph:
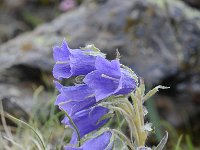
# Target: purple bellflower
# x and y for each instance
(73, 99)
(109, 79)
(86, 121)
(72, 62)
(101, 142)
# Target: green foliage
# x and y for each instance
(178, 143)
(39, 132)
(43, 129)
(189, 143)
(31, 19)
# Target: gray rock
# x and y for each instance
(158, 40)
(7, 29)
(193, 3)
(132, 27)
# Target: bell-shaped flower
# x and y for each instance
(109, 79)
(86, 121)
(74, 98)
(72, 62)
(101, 142)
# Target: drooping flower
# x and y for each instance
(101, 142)
(109, 79)
(86, 121)
(74, 98)
(72, 62)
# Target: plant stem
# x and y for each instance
(139, 118)
(125, 138)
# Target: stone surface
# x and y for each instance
(9, 30)
(193, 3)
(160, 41)
(131, 27)
(18, 16)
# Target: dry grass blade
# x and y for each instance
(5, 127)
(153, 92)
(162, 142)
(14, 143)
(30, 127)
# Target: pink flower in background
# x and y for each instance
(66, 5)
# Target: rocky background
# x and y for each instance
(159, 39)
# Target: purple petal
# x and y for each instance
(106, 79)
(75, 98)
(61, 71)
(128, 83)
(108, 68)
(109, 79)
(61, 98)
(58, 85)
(103, 86)
(78, 92)
(74, 138)
(82, 64)
(73, 62)
(71, 148)
(86, 120)
(61, 53)
(71, 107)
(101, 142)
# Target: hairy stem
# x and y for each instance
(139, 118)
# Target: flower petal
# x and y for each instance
(104, 86)
(61, 98)
(58, 85)
(78, 92)
(109, 79)
(71, 107)
(61, 53)
(61, 71)
(128, 84)
(75, 98)
(71, 148)
(105, 80)
(108, 68)
(88, 120)
(82, 64)
(101, 142)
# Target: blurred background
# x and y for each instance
(158, 39)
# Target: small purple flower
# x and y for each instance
(66, 5)
(86, 121)
(109, 79)
(101, 142)
(74, 98)
(72, 62)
